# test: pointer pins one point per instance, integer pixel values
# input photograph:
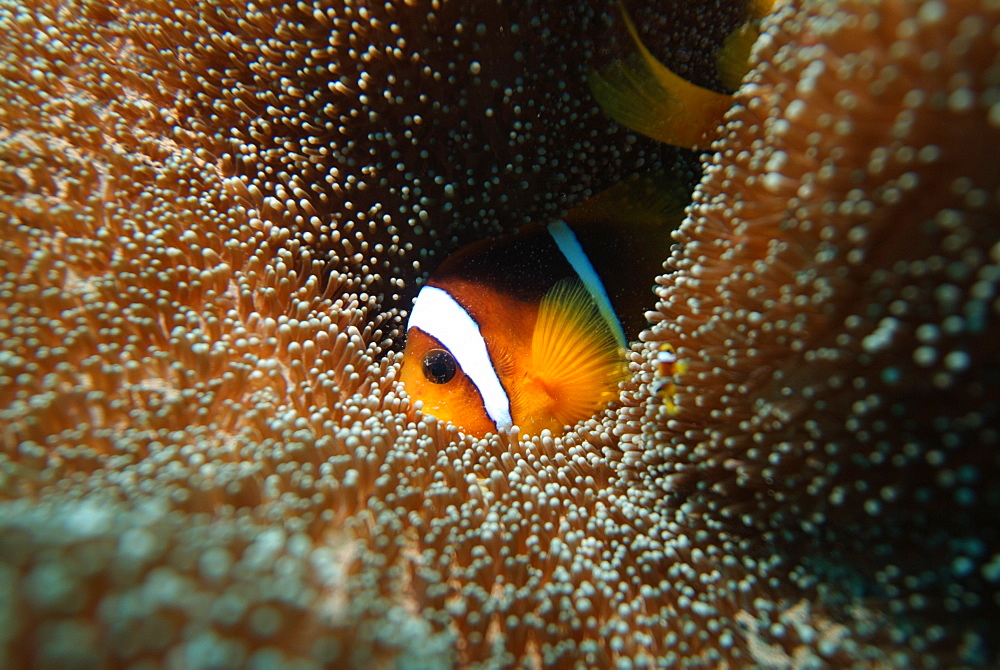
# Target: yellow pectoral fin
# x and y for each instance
(645, 95)
(576, 363)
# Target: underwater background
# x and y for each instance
(214, 216)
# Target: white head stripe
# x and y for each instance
(570, 247)
(438, 314)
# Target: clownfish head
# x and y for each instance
(544, 365)
(447, 366)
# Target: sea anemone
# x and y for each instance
(833, 293)
(213, 217)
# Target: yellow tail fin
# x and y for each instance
(733, 60)
(645, 95)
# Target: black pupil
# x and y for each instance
(439, 366)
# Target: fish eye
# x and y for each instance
(439, 366)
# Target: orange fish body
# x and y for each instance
(524, 330)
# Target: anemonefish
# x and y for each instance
(531, 330)
(668, 369)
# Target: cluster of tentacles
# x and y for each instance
(213, 216)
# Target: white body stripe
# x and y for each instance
(439, 315)
(570, 247)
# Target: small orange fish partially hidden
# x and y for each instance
(531, 330)
(520, 331)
